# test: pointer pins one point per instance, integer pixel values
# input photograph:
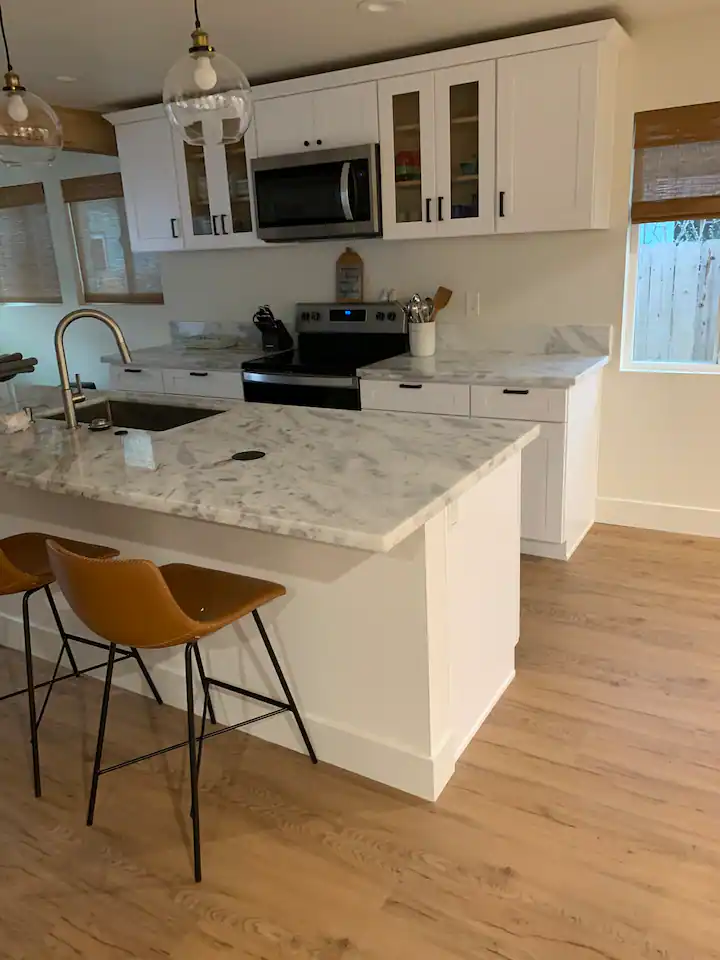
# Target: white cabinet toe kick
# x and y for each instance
(559, 469)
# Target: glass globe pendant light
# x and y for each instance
(206, 95)
(30, 132)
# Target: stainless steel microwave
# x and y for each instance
(319, 194)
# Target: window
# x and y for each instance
(109, 270)
(672, 319)
(28, 272)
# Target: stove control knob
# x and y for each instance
(304, 315)
(379, 315)
(392, 316)
(315, 316)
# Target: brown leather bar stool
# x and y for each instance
(162, 607)
(25, 568)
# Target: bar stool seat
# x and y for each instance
(161, 607)
(25, 569)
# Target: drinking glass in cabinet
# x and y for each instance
(239, 188)
(464, 141)
(198, 190)
(408, 176)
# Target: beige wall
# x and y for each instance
(657, 437)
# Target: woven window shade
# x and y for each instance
(28, 272)
(106, 186)
(677, 164)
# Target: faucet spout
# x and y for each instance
(69, 397)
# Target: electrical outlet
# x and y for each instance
(472, 304)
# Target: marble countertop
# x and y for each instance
(174, 356)
(489, 368)
(364, 480)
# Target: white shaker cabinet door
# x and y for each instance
(465, 149)
(345, 116)
(284, 125)
(145, 151)
(543, 472)
(547, 113)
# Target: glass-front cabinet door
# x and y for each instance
(465, 149)
(216, 195)
(407, 156)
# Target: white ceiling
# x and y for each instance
(120, 50)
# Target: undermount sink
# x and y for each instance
(135, 415)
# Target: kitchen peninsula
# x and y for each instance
(397, 537)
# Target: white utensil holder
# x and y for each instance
(422, 339)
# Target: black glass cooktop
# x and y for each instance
(331, 354)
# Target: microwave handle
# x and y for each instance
(345, 191)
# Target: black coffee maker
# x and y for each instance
(275, 335)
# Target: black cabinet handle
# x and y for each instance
(214, 225)
(427, 210)
(319, 143)
(132, 370)
(517, 393)
(440, 202)
(198, 373)
(307, 143)
(411, 386)
(501, 204)
(173, 231)
(223, 218)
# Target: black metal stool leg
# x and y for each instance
(101, 736)
(284, 684)
(192, 751)
(61, 631)
(206, 688)
(146, 673)
(32, 714)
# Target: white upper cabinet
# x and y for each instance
(323, 119)
(554, 129)
(145, 150)
(216, 197)
(437, 137)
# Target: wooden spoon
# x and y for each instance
(441, 300)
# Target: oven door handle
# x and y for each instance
(345, 191)
(291, 380)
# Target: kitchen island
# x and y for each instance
(396, 536)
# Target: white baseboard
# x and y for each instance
(389, 763)
(696, 521)
(538, 548)
(461, 747)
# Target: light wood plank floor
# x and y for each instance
(582, 823)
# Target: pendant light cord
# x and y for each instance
(197, 19)
(7, 49)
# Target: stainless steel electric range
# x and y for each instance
(333, 341)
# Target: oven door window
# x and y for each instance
(318, 194)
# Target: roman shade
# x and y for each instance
(106, 186)
(677, 164)
(28, 272)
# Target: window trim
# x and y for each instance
(627, 363)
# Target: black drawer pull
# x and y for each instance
(517, 393)
(411, 386)
(132, 370)
(198, 373)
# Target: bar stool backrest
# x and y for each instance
(13, 580)
(122, 601)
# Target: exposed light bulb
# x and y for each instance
(17, 108)
(204, 74)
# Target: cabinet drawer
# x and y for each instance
(204, 383)
(518, 403)
(137, 378)
(413, 397)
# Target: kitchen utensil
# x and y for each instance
(275, 336)
(441, 299)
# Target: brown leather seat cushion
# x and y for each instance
(27, 554)
(214, 597)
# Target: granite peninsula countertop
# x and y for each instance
(365, 480)
(487, 368)
(175, 356)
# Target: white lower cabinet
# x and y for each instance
(559, 468)
(222, 384)
(136, 378)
